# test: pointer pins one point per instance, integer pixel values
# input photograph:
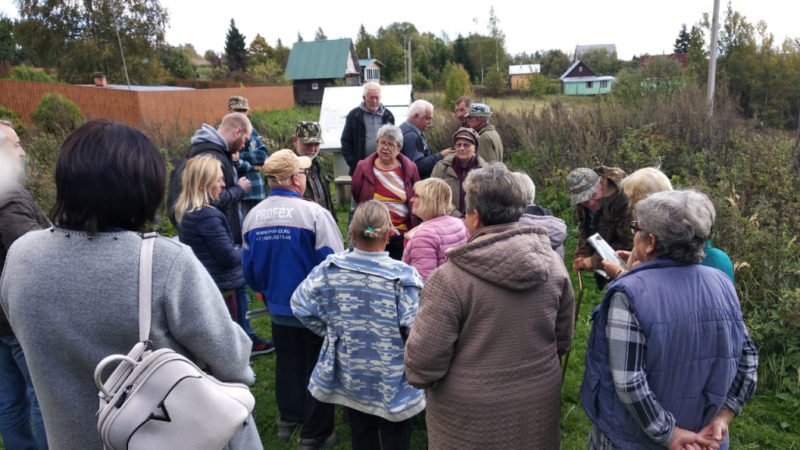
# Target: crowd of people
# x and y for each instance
(454, 297)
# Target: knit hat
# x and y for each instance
(467, 134)
(308, 132)
(237, 103)
(285, 163)
(580, 183)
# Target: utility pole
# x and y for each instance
(122, 52)
(712, 63)
(410, 70)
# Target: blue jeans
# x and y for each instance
(242, 303)
(18, 404)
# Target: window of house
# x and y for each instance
(314, 86)
(603, 84)
(589, 84)
(372, 74)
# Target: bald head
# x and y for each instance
(235, 129)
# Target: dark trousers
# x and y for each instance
(370, 432)
(395, 247)
(296, 353)
(242, 303)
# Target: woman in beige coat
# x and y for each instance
(455, 168)
(491, 326)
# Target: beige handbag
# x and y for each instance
(161, 399)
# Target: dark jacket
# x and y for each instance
(205, 142)
(19, 214)
(695, 334)
(363, 183)
(354, 136)
(207, 232)
(415, 147)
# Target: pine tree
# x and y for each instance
(235, 49)
(682, 42)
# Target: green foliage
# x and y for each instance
(235, 50)
(80, 38)
(538, 85)
(27, 73)
(176, 60)
(11, 116)
(9, 51)
(260, 52)
(495, 83)
(277, 127)
(419, 82)
(601, 61)
(57, 115)
(456, 84)
(268, 72)
(554, 63)
(319, 35)
(682, 42)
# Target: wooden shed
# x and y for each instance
(520, 75)
(314, 65)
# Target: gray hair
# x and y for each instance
(392, 132)
(527, 185)
(681, 221)
(12, 167)
(369, 86)
(419, 108)
(370, 221)
(495, 194)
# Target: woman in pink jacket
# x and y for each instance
(426, 245)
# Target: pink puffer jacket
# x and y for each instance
(426, 244)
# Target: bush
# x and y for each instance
(57, 115)
(11, 116)
(538, 85)
(419, 82)
(494, 83)
(27, 73)
(456, 84)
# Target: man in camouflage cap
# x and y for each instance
(600, 207)
(251, 158)
(490, 146)
(306, 141)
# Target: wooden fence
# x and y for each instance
(154, 112)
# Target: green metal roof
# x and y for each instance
(318, 59)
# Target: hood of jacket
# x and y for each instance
(510, 256)
(207, 133)
(556, 228)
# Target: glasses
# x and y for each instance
(635, 226)
(302, 172)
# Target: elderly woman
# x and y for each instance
(669, 360)
(109, 184)
(388, 176)
(454, 168)
(536, 215)
(492, 323)
(427, 244)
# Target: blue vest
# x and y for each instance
(691, 319)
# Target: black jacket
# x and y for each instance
(207, 232)
(354, 136)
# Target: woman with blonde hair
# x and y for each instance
(426, 245)
(363, 303)
(205, 229)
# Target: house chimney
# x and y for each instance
(368, 55)
(100, 80)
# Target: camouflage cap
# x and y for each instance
(480, 110)
(237, 103)
(580, 183)
(308, 132)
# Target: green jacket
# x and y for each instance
(490, 147)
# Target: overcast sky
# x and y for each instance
(635, 26)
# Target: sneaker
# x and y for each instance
(315, 444)
(286, 429)
(261, 347)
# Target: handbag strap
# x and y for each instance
(146, 284)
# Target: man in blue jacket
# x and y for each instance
(415, 147)
(286, 236)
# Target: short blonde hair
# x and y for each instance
(644, 182)
(199, 176)
(370, 221)
(236, 120)
(434, 197)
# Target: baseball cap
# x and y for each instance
(308, 132)
(580, 183)
(237, 103)
(479, 110)
(284, 163)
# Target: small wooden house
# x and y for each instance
(314, 65)
(370, 69)
(520, 75)
(579, 79)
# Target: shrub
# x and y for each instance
(11, 116)
(57, 115)
(494, 83)
(27, 73)
(419, 82)
(538, 85)
(456, 84)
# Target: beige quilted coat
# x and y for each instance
(486, 342)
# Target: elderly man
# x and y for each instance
(306, 141)
(463, 105)
(19, 214)
(490, 146)
(600, 207)
(415, 147)
(541, 216)
(361, 126)
(251, 158)
(669, 360)
(285, 237)
(492, 323)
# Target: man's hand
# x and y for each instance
(244, 183)
(446, 151)
(688, 440)
(581, 263)
(717, 429)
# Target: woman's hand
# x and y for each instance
(612, 269)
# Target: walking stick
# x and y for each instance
(574, 322)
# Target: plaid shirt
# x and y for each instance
(626, 352)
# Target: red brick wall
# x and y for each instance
(150, 111)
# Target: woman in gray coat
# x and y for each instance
(71, 292)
